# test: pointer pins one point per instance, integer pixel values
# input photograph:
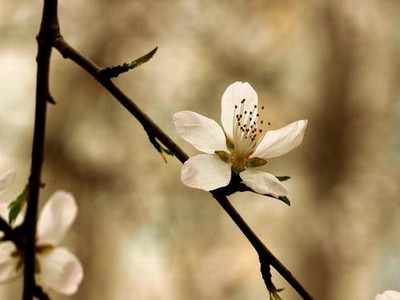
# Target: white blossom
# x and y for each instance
(241, 145)
(57, 268)
(388, 295)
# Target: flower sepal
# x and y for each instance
(284, 199)
(256, 162)
(283, 178)
(225, 157)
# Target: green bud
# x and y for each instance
(225, 157)
(256, 162)
(141, 60)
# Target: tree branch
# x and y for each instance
(49, 29)
(266, 256)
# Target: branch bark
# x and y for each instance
(49, 28)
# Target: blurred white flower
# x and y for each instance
(388, 295)
(57, 267)
(241, 145)
(6, 180)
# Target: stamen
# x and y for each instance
(246, 131)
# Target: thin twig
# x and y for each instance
(265, 255)
(69, 52)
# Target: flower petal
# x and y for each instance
(8, 262)
(278, 142)
(203, 133)
(60, 270)
(6, 180)
(56, 217)
(205, 171)
(232, 96)
(263, 183)
(388, 295)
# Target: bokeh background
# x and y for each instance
(140, 233)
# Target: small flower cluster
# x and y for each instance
(57, 268)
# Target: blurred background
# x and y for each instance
(140, 233)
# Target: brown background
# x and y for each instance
(140, 233)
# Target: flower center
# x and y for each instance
(247, 133)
